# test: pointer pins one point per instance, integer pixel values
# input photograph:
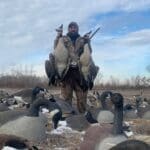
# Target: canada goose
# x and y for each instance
(85, 60)
(61, 57)
(30, 125)
(93, 71)
(131, 145)
(50, 69)
(9, 142)
(99, 135)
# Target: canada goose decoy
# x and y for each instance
(28, 95)
(35, 91)
(66, 108)
(30, 125)
(23, 93)
(104, 113)
(4, 107)
(12, 142)
(78, 122)
(129, 112)
(131, 145)
(105, 100)
(143, 108)
(104, 135)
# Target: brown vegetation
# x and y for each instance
(27, 80)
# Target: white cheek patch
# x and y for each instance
(53, 112)
(18, 98)
(11, 148)
(45, 110)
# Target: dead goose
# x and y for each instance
(30, 125)
(50, 69)
(85, 60)
(98, 135)
(61, 57)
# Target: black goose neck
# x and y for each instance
(35, 107)
(117, 100)
(103, 98)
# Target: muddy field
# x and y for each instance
(64, 138)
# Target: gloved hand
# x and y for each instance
(59, 33)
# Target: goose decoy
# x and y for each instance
(104, 113)
(36, 90)
(143, 108)
(105, 100)
(78, 122)
(66, 108)
(4, 107)
(131, 145)
(11, 142)
(129, 112)
(28, 95)
(104, 135)
(30, 125)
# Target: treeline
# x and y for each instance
(136, 82)
(20, 80)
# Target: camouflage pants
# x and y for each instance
(67, 94)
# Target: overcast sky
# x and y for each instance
(121, 48)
